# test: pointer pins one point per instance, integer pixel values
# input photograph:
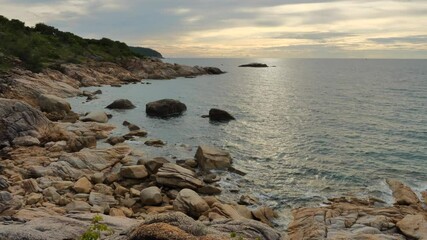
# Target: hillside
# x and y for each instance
(44, 46)
(146, 52)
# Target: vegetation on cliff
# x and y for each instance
(146, 52)
(44, 46)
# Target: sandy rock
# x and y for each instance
(34, 198)
(102, 188)
(176, 176)
(50, 103)
(83, 185)
(120, 190)
(265, 215)
(26, 141)
(135, 133)
(6, 201)
(226, 211)
(209, 157)
(97, 116)
(121, 104)
(248, 200)
(151, 196)
(134, 192)
(414, 226)
(402, 194)
(116, 212)
(115, 140)
(62, 185)
(190, 203)
(51, 194)
(165, 108)
(135, 172)
(77, 206)
(98, 177)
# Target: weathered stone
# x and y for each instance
(104, 189)
(134, 192)
(135, 133)
(50, 103)
(77, 206)
(6, 201)
(121, 104)
(226, 211)
(190, 203)
(26, 141)
(62, 185)
(414, 226)
(151, 196)
(212, 158)
(155, 143)
(116, 212)
(153, 165)
(115, 140)
(30, 186)
(98, 177)
(165, 108)
(51, 194)
(100, 117)
(101, 199)
(4, 184)
(176, 176)
(402, 194)
(210, 190)
(265, 215)
(120, 190)
(248, 200)
(136, 171)
(34, 198)
(83, 185)
(211, 178)
(133, 127)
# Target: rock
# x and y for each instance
(34, 198)
(165, 108)
(220, 115)
(51, 194)
(211, 178)
(102, 188)
(191, 163)
(225, 210)
(101, 199)
(4, 184)
(423, 194)
(78, 143)
(97, 116)
(26, 141)
(209, 189)
(212, 158)
(121, 104)
(190, 203)
(136, 133)
(62, 185)
(213, 70)
(98, 177)
(83, 185)
(134, 192)
(137, 172)
(265, 215)
(248, 200)
(159, 231)
(6, 201)
(30, 186)
(77, 207)
(151, 196)
(120, 190)
(154, 164)
(176, 176)
(255, 65)
(115, 140)
(133, 127)
(402, 194)
(413, 226)
(155, 143)
(116, 212)
(50, 103)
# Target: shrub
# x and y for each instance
(95, 229)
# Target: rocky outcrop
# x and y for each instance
(56, 108)
(220, 115)
(19, 119)
(165, 108)
(402, 193)
(121, 104)
(208, 158)
(255, 65)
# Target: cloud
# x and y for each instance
(419, 39)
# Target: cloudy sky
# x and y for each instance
(242, 28)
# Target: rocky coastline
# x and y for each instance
(53, 179)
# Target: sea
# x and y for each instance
(306, 129)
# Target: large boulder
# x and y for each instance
(220, 115)
(19, 119)
(165, 108)
(151, 196)
(190, 203)
(121, 104)
(50, 103)
(97, 116)
(402, 194)
(175, 176)
(413, 226)
(135, 172)
(208, 158)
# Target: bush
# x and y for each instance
(95, 229)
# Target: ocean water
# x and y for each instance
(306, 129)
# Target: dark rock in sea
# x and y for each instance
(205, 116)
(121, 104)
(213, 70)
(255, 65)
(116, 85)
(220, 115)
(165, 108)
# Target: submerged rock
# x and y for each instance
(165, 108)
(121, 104)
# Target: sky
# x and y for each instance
(242, 28)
